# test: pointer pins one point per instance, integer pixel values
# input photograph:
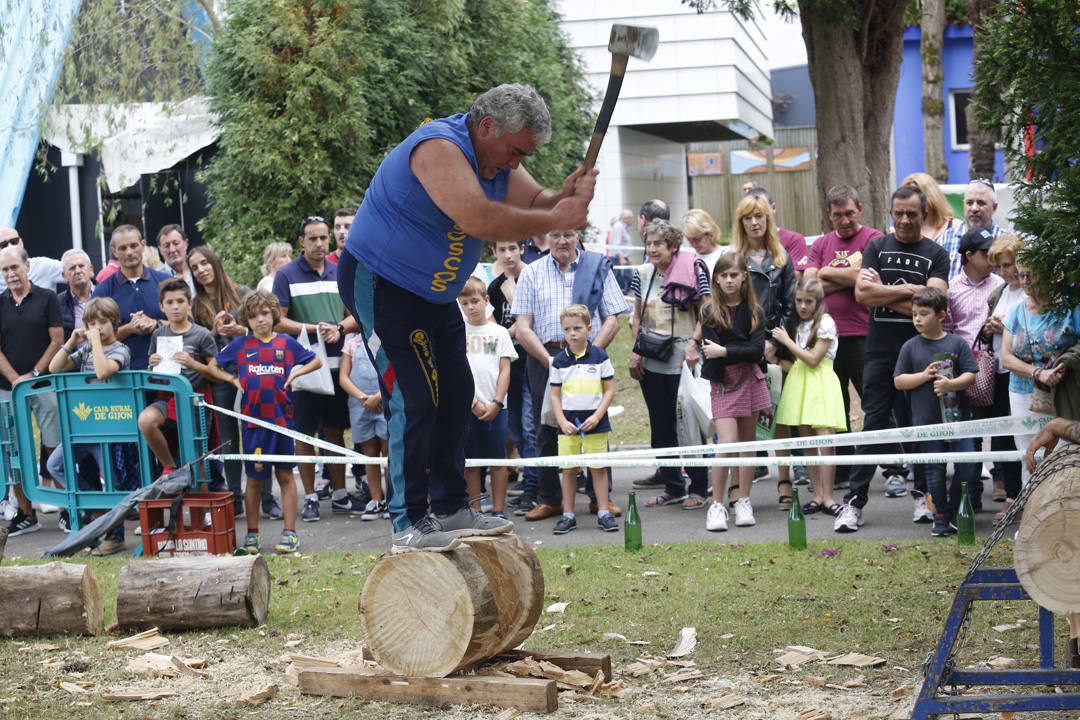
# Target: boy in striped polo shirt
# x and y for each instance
(582, 387)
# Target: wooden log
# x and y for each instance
(3, 541)
(53, 599)
(183, 593)
(1047, 549)
(516, 579)
(427, 614)
(526, 694)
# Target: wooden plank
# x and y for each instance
(525, 694)
(588, 663)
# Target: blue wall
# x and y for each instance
(907, 118)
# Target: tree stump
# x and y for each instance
(429, 614)
(53, 599)
(197, 592)
(1047, 550)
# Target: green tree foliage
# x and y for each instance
(313, 93)
(1029, 57)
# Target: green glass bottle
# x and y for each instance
(632, 526)
(796, 523)
(965, 519)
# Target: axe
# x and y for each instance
(626, 40)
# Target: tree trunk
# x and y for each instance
(196, 592)
(3, 542)
(54, 599)
(981, 148)
(853, 54)
(932, 25)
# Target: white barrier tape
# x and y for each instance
(321, 444)
(990, 427)
(314, 459)
(612, 460)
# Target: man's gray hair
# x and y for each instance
(73, 253)
(514, 107)
(985, 185)
(839, 195)
(24, 257)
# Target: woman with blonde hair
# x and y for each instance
(772, 275)
(939, 213)
(275, 256)
(703, 234)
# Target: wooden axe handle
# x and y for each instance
(618, 70)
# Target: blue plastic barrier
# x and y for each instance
(101, 412)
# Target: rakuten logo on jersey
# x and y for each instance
(266, 369)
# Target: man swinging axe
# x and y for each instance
(453, 184)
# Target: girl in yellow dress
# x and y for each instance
(811, 398)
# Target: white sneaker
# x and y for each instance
(744, 513)
(46, 509)
(922, 512)
(717, 517)
(8, 508)
(849, 519)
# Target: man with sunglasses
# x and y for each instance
(453, 184)
(45, 272)
(307, 289)
(980, 202)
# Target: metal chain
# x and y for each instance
(1067, 456)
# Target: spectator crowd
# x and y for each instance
(934, 321)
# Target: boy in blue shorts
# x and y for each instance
(266, 364)
(582, 387)
(490, 351)
(359, 379)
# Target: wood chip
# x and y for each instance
(767, 678)
(792, 660)
(859, 681)
(164, 666)
(146, 640)
(814, 714)
(614, 636)
(559, 607)
(803, 650)
(819, 680)
(856, 660)
(507, 714)
(310, 660)
(637, 669)
(149, 694)
(901, 691)
(685, 644)
(683, 676)
(73, 688)
(256, 695)
(727, 701)
(1007, 628)
(293, 643)
(999, 662)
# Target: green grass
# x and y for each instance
(745, 601)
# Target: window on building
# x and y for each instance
(958, 101)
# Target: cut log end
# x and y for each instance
(429, 614)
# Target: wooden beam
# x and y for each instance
(587, 663)
(525, 694)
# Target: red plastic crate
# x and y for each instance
(192, 535)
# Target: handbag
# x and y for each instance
(653, 345)
(981, 392)
(320, 381)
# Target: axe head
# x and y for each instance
(639, 42)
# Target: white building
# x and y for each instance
(709, 80)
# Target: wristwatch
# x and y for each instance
(35, 372)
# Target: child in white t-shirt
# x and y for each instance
(490, 351)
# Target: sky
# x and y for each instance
(784, 42)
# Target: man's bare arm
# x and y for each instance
(446, 175)
(846, 277)
(608, 329)
(529, 340)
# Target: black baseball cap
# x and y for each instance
(974, 240)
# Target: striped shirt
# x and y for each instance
(950, 240)
(580, 379)
(311, 298)
(544, 291)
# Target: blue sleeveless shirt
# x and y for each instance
(400, 234)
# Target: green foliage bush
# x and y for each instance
(313, 93)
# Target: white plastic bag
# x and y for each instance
(694, 407)
(319, 382)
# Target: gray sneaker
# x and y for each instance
(895, 486)
(468, 522)
(424, 536)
